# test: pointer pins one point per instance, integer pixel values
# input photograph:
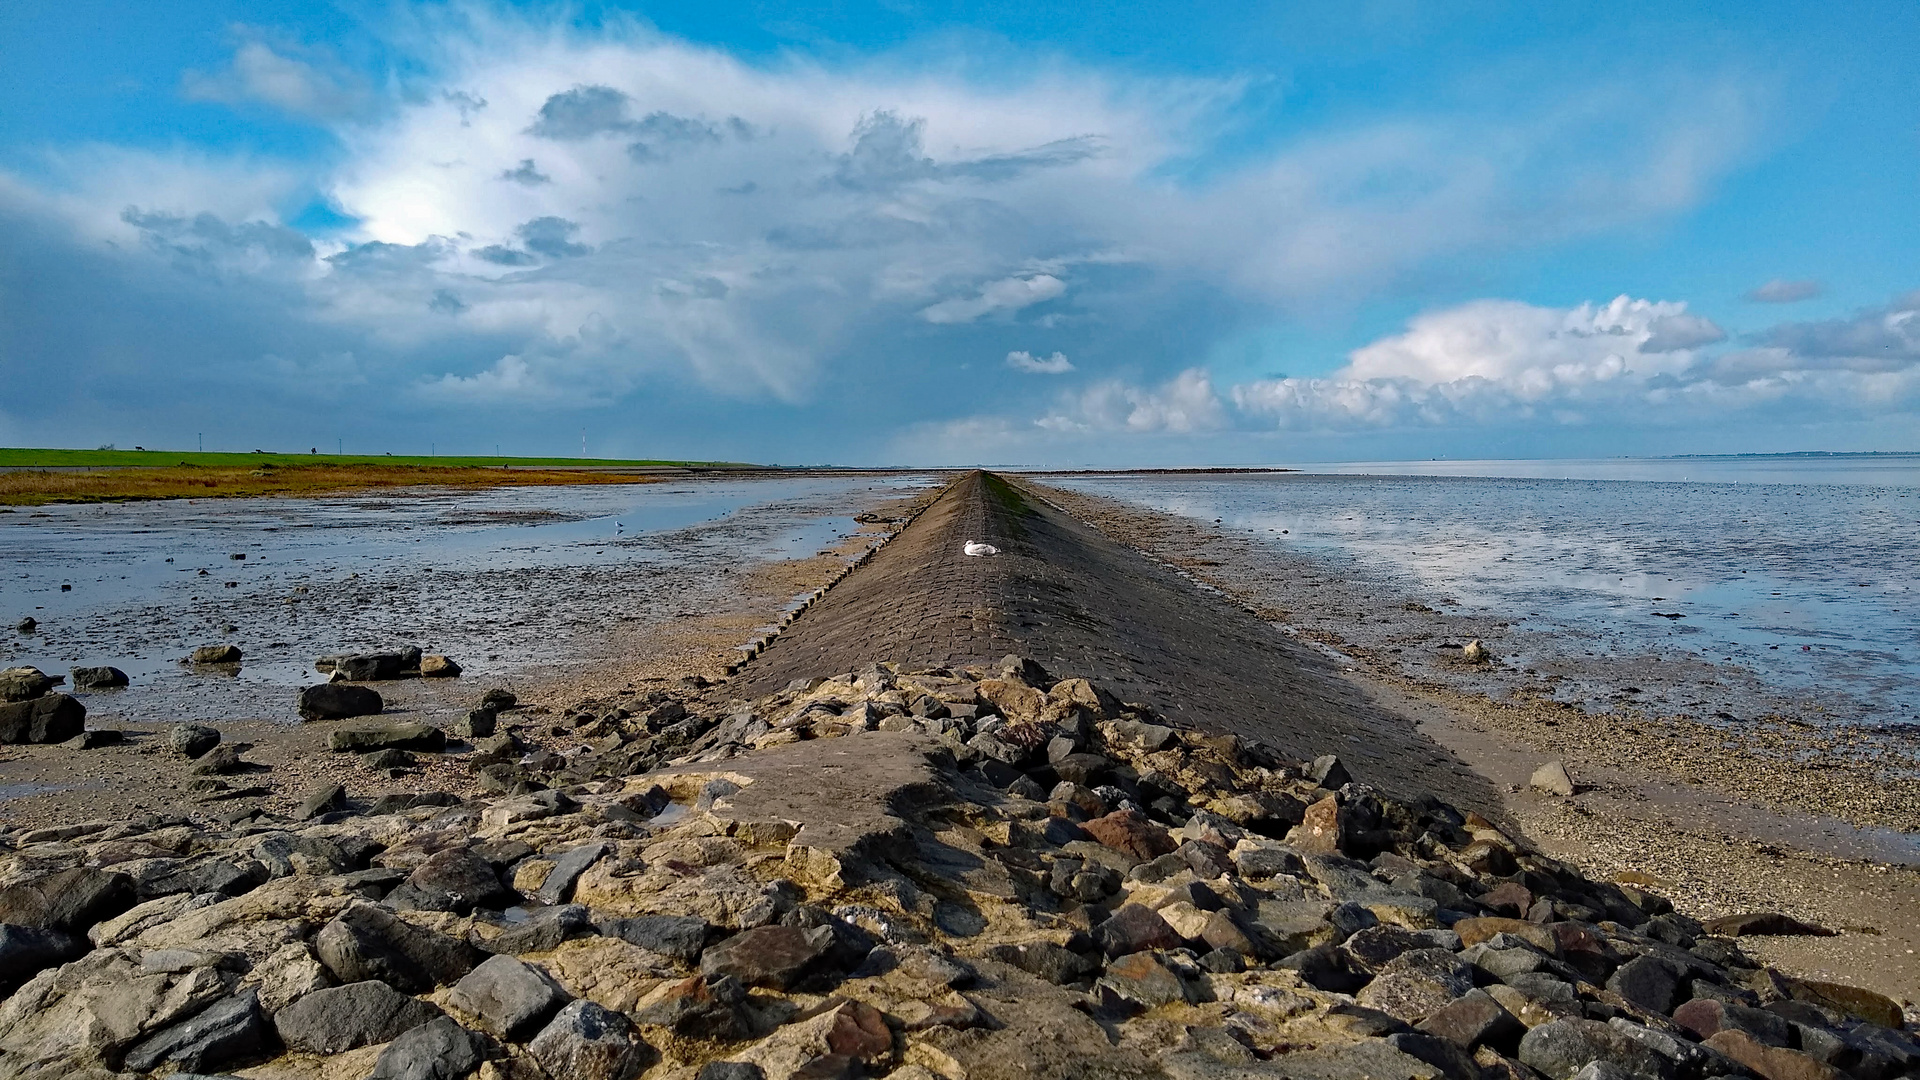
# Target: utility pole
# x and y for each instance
(203, 442)
(583, 442)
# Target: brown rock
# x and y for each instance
(1852, 1000)
(1474, 931)
(1771, 1062)
(1323, 828)
(1128, 832)
(1509, 898)
(1135, 928)
(770, 956)
(858, 1030)
(1016, 701)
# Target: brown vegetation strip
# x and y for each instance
(34, 487)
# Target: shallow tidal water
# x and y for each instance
(502, 579)
(1801, 575)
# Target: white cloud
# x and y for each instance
(1057, 364)
(313, 87)
(1186, 403)
(1780, 291)
(1008, 295)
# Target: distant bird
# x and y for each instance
(975, 547)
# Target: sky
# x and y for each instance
(924, 233)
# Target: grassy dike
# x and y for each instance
(36, 477)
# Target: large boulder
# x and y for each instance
(368, 667)
(511, 998)
(227, 1031)
(216, 654)
(97, 678)
(25, 683)
(775, 957)
(192, 740)
(457, 879)
(367, 941)
(25, 951)
(49, 719)
(337, 701)
(587, 1040)
(1564, 1047)
(70, 901)
(439, 1050)
(337, 1019)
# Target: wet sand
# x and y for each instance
(1722, 820)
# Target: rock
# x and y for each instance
(1706, 1017)
(227, 1031)
(337, 1019)
(1851, 1000)
(510, 997)
(1322, 830)
(1147, 738)
(97, 678)
(389, 759)
(1476, 653)
(25, 683)
(1417, 984)
(1763, 922)
(478, 724)
(1475, 1019)
(438, 1050)
(456, 879)
(1138, 982)
(679, 937)
(1329, 772)
(1134, 928)
(321, 800)
(69, 901)
(53, 718)
(1646, 982)
(25, 951)
(1771, 1062)
(218, 761)
(557, 888)
(739, 1070)
(588, 1042)
(366, 942)
(27, 625)
(368, 667)
(192, 740)
(216, 654)
(1047, 961)
(402, 736)
(95, 738)
(776, 957)
(498, 700)
(1128, 832)
(703, 1007)
(533, 807)
(1564, 1047)
(543, 930)
(1552, 779)
(1014, 700)
(436, 666)
(336, 701)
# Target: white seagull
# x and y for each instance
(975, 547)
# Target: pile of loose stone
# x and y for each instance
(968, 874)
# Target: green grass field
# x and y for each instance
(101, 459)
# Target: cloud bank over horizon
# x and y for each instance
(537, 229)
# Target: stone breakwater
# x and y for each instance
(962, 872)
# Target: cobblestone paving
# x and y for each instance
(1072, 599)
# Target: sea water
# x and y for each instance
(1803, 571)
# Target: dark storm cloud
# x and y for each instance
(552, 237)
(582, 113)
(526, 174)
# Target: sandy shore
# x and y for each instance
(1774, 814)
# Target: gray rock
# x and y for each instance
(681, 937)
(25, 683)
(367, 942)
(216, 654)
(1473, 1020)
(775, 957)
(227, 1031)
(339, 1018)
(1417, 984)
(389, 759)
(51, 719)
(1048, 961)
(1328, 772)
(498, 700)
(338, 701)
(321, 800)
(67, 900)
(479, 724)
(730, 1070)
(544, 929)
(368, 667)
(1562, 1048)
(218, 761)
(206, 875)
(25, 951)
(588, 1042)
(1133, 928)
(1371, 1059)
(557, 887)
(192, 740)
(1647, 982)
(457, 879)
(439, 1050)
(97, 678)
(511, 997)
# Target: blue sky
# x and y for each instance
(940, 233)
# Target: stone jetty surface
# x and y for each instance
(1051, 813)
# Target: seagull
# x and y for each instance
(975, 547)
